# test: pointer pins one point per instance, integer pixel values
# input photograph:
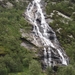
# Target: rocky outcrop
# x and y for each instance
(30, 37)
(6, 4)
(9, 5)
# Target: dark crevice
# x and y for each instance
(28, 42)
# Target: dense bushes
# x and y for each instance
(13, 57)
(49, 71)
(68, 70)
(61, 70)
(64, 28)
(3, 69)
(65, 7)
(34, 68)
(65, 31)
(14, 64)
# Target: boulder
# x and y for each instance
(9, 5)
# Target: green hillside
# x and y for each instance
(64, 27)
(17, 60)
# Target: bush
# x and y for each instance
(67, 70)
(73, 16)
(34, 68)
(3, 69)
(49, 71)
(27, 59)
(14, 65)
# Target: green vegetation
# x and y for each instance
(16, 60)
(13, 57)
(65, 31)
(62, 70)
(49, 71)
(69, 70)
(34, 68)
(66, 7)
(64, 28)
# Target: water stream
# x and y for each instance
(52, 51)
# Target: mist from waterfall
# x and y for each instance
(52, 51)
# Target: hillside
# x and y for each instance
(18, 53)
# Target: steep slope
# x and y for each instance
(14, 30)
(53, 53)
(64, 27)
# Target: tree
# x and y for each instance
(34, 68)
(49, 71)
(3, 69)
(67, 70)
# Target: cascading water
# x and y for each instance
(52, 52)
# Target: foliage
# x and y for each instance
(64, 28)
(27, 59)
(62, 6)
(13, 57)
(34, 68)
(68, 70)
(65, 31)
(49, 71)
(3, 69)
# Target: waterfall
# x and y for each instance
(52, 51)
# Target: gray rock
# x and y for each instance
(17, 0)
(9, 5)
(30, 38)
(58, 30)
(1, 0)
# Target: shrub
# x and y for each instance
(67, 70)
(3, 69)
(49, 71)
(14, 65)
(34, 68)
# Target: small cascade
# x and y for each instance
(52, 51)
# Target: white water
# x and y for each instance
(42, 31)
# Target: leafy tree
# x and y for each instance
(27, 59)
(3, 69)
(13, 64)
(34, 68)
(66, 70)
(49, 71)
(73, 16)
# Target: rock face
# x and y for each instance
(43, 35)
(30, 37)
(1, 0)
